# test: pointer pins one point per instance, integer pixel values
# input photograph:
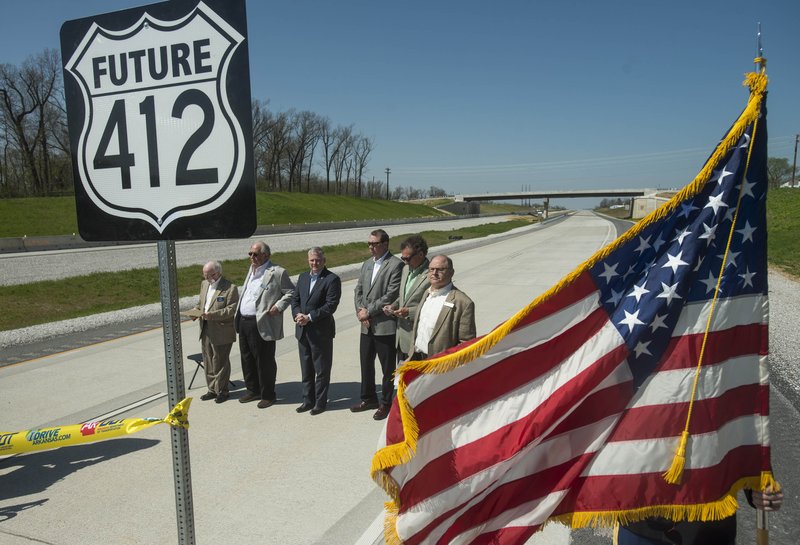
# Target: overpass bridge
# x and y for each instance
(563, 194)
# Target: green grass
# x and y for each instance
(54, 300)
(48, 216)
(38, 216)
(619, 213)
(783, 221)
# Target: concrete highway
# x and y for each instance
(273, 476)
(27, 267)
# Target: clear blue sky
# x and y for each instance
(475, 96)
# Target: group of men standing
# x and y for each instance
(407, 307)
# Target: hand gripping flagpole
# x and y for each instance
(762, 517)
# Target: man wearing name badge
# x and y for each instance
(378, 285)
(413, 284)
(314, 301)
(446, 316)
(266, 293)
(218, 300)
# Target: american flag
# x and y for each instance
(573, 409)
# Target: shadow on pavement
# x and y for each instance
(32, 473)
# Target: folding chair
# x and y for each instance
(198, 359)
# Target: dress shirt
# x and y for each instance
(252, 290)
(312, 281)
(376, 266)
(428, 315)
(212, 291)
(412, 275)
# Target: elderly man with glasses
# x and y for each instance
(266, 293)
(217, 305)
(446, 316)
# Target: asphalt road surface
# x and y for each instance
(273, 476)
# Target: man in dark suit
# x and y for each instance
(413, 285)
(218, 299)
(315, 299)
(266, 293)
(378, 285)
(446, 316)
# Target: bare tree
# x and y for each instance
(363, 148)
(30, 115)
(327, 137)
(304, 128)
(342, 150)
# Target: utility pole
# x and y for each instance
(388, 170)
(794, 162)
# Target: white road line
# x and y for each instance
(127, 408)
(374, 534)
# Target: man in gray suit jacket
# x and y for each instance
(446, 316)
(266, 293)
(218, 300)
(378, 285)
(413, 285)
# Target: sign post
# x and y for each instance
(176, 390)
(159, 119)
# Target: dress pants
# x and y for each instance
(258, 360)
(384, 347)
(216, 359)
(316, 360)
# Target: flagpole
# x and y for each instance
(762, 527)
(762, 517)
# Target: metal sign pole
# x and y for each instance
(168, 278)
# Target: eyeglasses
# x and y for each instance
(434, 270)
(371, 244)
(253, 254)
(409, 258)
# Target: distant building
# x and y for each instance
(647, 204)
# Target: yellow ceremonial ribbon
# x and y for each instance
(77, 434)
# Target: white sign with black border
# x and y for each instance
(158, 139)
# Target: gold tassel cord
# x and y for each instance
(674, 474)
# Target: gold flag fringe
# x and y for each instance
(400, 453)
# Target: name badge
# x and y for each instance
(448, 304)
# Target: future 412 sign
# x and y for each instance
(158, 106)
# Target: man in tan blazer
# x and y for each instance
(413, 285)
(266, 293)
(446, 316)
(218, 299)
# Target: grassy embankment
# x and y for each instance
(48, 301)
(783, 221)
(48, 216)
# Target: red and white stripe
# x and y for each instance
(546, 422)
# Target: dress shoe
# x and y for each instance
(381, 413)
(222, 398)
(304, 407)
(317, 410)
(248, 397)
(208, 395)
(364, 406)
(264, 403)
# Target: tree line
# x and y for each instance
(292, 151)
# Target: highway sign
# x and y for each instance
(158, 106)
